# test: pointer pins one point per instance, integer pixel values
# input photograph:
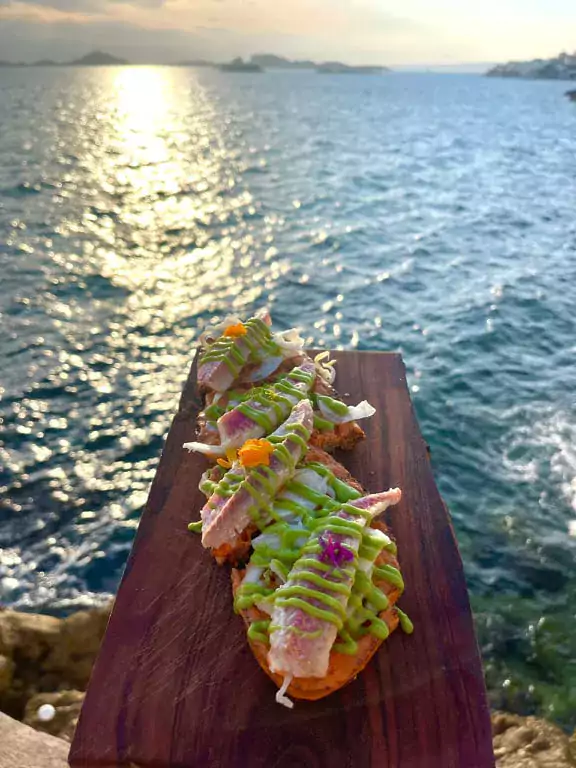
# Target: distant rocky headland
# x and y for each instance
(256, 63)
(563, 67)
(270, 61)
(93, 59)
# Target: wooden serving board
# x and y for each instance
(176, 683)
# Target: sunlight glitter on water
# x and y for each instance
(379, 213)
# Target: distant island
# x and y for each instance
(336, 68)
(93, 59)
(259, 62)
(563, 67)
(194, 63)
(98, 59)
(271, 61)
(239, 65)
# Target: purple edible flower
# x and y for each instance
(333, 551)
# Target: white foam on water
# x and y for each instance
(545, 443)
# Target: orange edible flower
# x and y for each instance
(255, 452)
(231, 456)
(235, 330)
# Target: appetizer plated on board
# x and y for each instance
(315, 574)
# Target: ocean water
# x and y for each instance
(428, 214)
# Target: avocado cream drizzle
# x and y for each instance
(268, 406)
(405, 622)
(293, 536)
(261, 483)
(336, 406)
(292, 524)
(258, 630)
(322, 425)
(236, 351)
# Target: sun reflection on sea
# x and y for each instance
(159, 231)
(167, 201)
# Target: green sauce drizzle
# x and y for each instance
(322, 425)
(297, 517)
(405, 622)
(336, 406)
(258, 631)
(237, 351)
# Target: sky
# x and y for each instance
(410, 33)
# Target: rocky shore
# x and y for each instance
(45, 666)
(45, 660)
(562, 67)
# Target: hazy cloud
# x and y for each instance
(84, 6)
(357, 31)
(141, 3)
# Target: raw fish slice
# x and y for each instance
(241, 344)
(307, 612)
(266, 409)
(225, 516)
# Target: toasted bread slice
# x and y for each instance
(342, 667)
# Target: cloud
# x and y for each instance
(84, 6)
(142, 3)
(357, 31)
(300, 28)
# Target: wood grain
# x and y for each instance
(176, 684)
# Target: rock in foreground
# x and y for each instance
(528, 742)
(21, 747)
(43, 654)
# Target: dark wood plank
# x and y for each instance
(176, 684)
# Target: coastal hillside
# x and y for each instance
(563, 67)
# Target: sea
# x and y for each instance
(430, 214)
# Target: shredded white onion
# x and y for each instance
(264, 315)
(325, 367)
(206, 449)
(290, 342)
(355, 412)
(253, 574)
(280, 697)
